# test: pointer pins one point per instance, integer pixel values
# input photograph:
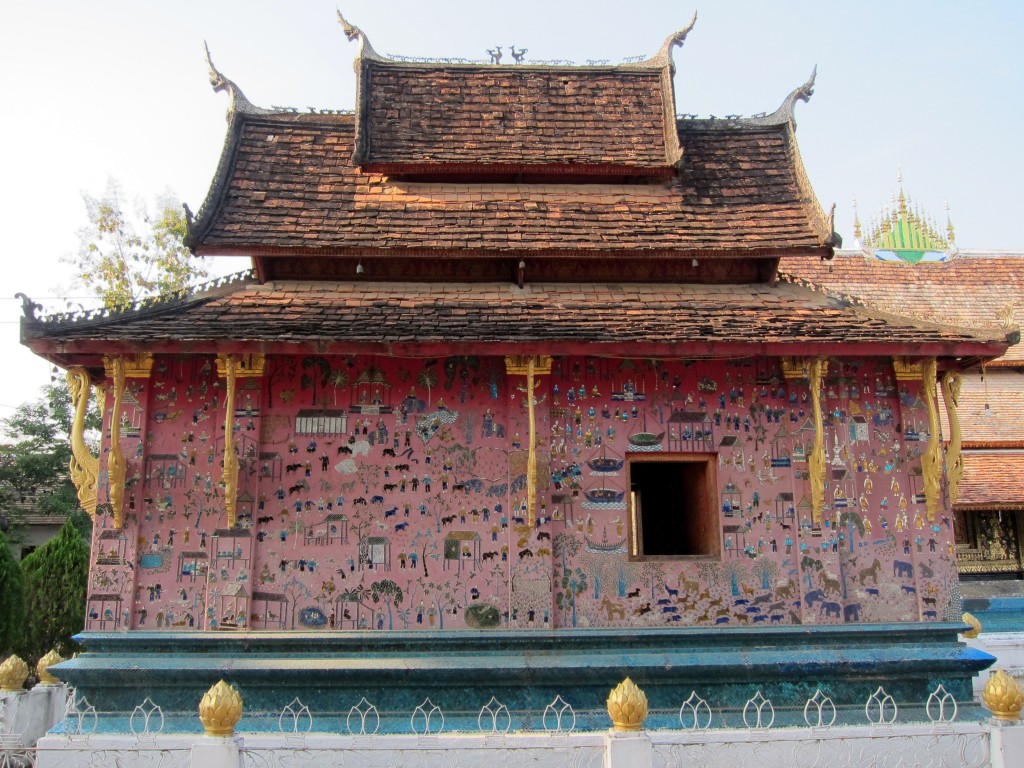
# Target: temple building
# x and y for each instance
(533, 384)
(902, 261)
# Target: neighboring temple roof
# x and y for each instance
(637, 320)
(992, 480)
(1002, 424)
(973, 288)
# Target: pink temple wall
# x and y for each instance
(410, 511)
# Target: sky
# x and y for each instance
(119, 89)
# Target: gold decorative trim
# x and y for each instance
(220, 710)
(13, 674)
(84, 467)
(816, 460)
(794, 368)
(951, 383)
(931, 460)
(530, 366)
(1003, 696)
(627, 706)
(43, 668)
(117, 469)
(139, 366)
(246, 366)
(907, 369)
(228, 364)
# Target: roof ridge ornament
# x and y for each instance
(352, 32)
(677, 38)
(238, 101)
(784, 114)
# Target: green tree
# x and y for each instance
(12, 601)
(35, 454)
(390, 593)
(55, 579)
(125, 257)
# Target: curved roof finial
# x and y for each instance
(676, 38)
(220, 83)
(784, 114)
(352, 32)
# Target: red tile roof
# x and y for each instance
(992, 480)
(1004, 394)
(435, 114)
(558, 318)
(286, 185)
(968, 290)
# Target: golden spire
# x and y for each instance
(856, 221)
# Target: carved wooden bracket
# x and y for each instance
(246, 366)
(84, 467)
(931, 459)
(117, 469)
(951, 382)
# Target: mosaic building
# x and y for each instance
(514, 394)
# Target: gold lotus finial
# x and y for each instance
(43, 668)
(220, 710)
(627, 706)
(13, 673)
(1003, 696)
(975, 625)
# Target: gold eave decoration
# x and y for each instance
(246, 366)
(794, 368)
(931, 459)
(84, 467)
(817, 368)
(220, 710)
(975, 626)
(907, 369)
(138, 366)
(227, 366)
(627, 706)
(117, 469)
(530, 366)
(951, 383)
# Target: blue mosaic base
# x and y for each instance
(460, 672)
(997, 614)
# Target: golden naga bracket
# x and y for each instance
(520, 365)
(117, 469)
(951, 382)
(84, 467)
(227, 366)
(931, 459)
(816, 370)
(246, 366)
(794, 368)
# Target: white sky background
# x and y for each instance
(118, 88)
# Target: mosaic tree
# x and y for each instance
(390, 593)
(574, 584)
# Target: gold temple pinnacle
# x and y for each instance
(220, 710)
(627, 706)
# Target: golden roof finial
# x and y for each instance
(856, 220)
(950, 233)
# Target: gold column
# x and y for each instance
(951, 382)
(117, 469)
(817, 368)
(530, 366)
(931, 460)
(84, 467)
(228, 364)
